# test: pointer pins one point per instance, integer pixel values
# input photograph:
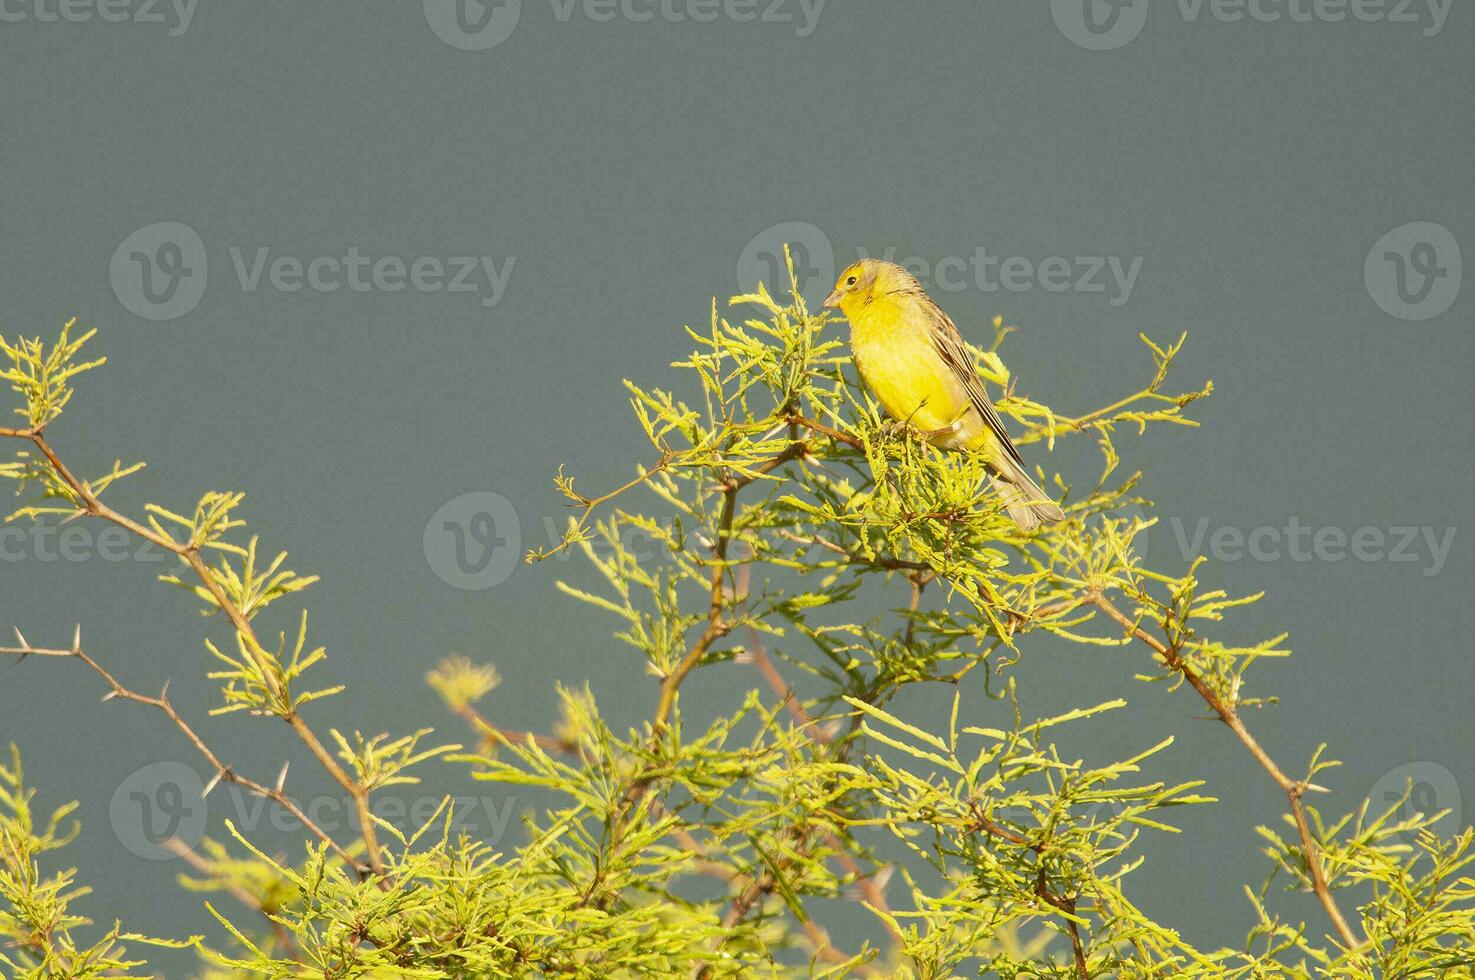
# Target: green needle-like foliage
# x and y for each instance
(39, 932)
(810, 569)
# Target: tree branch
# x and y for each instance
(93, 506)
(223, 772)
(715, 628)
(981, 821)
(825, 430)
(201, 864)
(1293, 789)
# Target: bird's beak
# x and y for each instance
(832, 301)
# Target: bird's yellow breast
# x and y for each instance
(898, 363)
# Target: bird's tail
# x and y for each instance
(1026, 503)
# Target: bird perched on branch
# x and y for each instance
(911, 357)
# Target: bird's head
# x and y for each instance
(865, 281)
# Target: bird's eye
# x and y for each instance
(850, 281)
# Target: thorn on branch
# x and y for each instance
(219, 775)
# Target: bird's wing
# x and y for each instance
(954, 353)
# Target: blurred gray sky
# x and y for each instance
(407, 255)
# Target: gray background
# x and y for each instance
(626, 166)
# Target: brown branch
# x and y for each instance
(983, 822)
(223, 773)
(765, 883)
(670, 684)
(1293, 789)
(760, 888)
(551, 743)
(189, 552)
(919, 585)
(591, 504)
(715, 628)
(807, 423)
(1068, 906)
(889, 563)
(865, 884)
(492, 734)
(201, 864)
(798, 450)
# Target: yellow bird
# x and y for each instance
(911, 357)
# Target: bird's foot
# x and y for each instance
(897, 429)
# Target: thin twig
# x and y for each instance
(190, 553)
(551, 743)
(223, 773)
(852, 441)
(202, 864)
(1067, 905)
(798, 450)
(492, 734)
(715, 628)
(1293, 789)
(865, 884)
(856, 558)
(591, 504)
